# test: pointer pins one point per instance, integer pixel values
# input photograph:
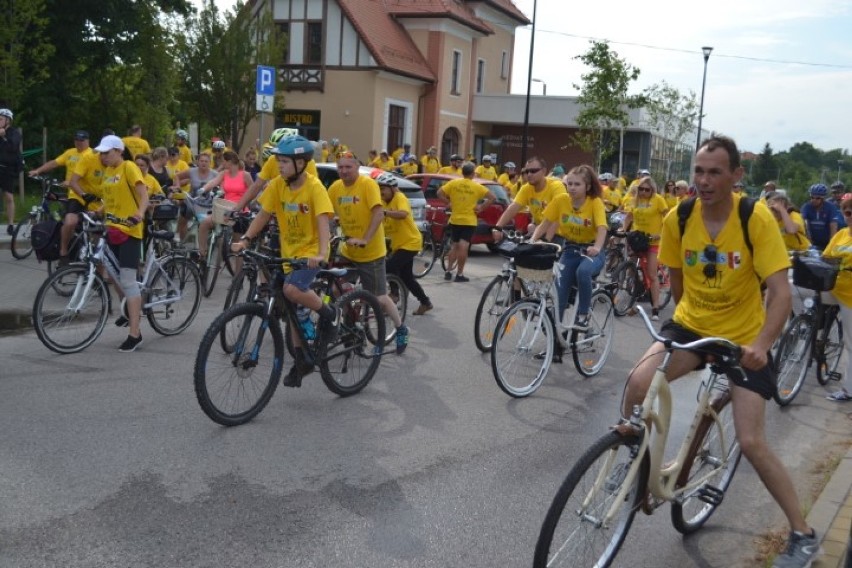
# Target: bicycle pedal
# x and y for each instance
(835, 376)
(711, 495)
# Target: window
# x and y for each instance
(480, 74)
(282, 35)
(396, 127)
(313, 43)
(455, 82)
(504, 66)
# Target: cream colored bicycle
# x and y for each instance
(623, 472)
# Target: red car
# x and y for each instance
(430, 183)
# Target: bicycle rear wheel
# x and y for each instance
(793, 359)
(576, 531)
(349, 362)
(831, 347)
(664, 278)
(714, 449)
(524, 342)
(21, 246)
(229, 259)
(214, 257)
(232, 388)
(494, 301)
(590, 349)
(398, 292)
(426, 258)
(627, 278)
(70, 323)
(178, 287)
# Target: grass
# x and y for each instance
(32, 196)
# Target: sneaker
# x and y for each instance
(557, 355)
(122, 322)
(422, 309)
(801, 551)
(581, 323)
(840, 396)
(64, 260)
(448, 275)
(655, 315)
(300, 369)
(329, 326)
(10, 229)
(462, 278)
(130, 344)
(401, 339)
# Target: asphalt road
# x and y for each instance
(107, 459)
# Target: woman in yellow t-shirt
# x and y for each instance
(126, 198)
(579, 216)
(840, 246)
(790, 222)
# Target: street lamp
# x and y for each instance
(839, 163)
(525, 133)
(543, 86)
(706, 51)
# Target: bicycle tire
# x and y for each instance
(398, 292)
(590, 349)
(229, 259)
(61, 328)
(349, 362)
(523, 348)
(664, 278)
(226, 387)
(212, 271)
(588, 540)
(494, 301)
(627, 277)
(831, 348)
(793, 359)
(426, 258)
(21, 245)
(173, 318)
(446, 247)
(705, 454)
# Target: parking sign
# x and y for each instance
(265, 88)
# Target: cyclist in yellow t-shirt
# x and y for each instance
(175, 165)
(790, 222)
(385, 162)
(68, 159)
(182, 145)
(716, 281)
(85, 186)
(455, 166)
(357, 203)
(410, 167)
(134, 142)
(486, 170)
(535, 195)
(430, 162)
(840, 246)
(143, 162)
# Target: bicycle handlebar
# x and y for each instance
(297, 263)
(698, 344)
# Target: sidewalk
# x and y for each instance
(831, 515)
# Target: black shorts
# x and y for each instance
(7, 184)
(74, 206)
(761, 381)
(461, 232)
(128, 253)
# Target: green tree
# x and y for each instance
(604, 100)
(672, 114)
(766, 167)
(24, 51)
(805, 153)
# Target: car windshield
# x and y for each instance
(499, 192)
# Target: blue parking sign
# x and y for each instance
(265, 80)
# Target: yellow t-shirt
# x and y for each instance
(430, 165)
(120, 197)
(395, 155)
(486, 172)
(386, 165)
(136, 145)
(69, 158)
(671, 200)
(296, 213)
(840, 246)
(537, 201)
(450, 170)
(648, 216)
(270, 171)
(612, 198)
(174, 169)
(727, 304)
(464, 194)
(91, 172)
(354, 206)
(799, 240)
(403, 233)
(408, 168)
(576, 225)
(154, 187)
(185, 154)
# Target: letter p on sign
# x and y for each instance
(265, 80)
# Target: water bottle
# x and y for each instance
(309, 330)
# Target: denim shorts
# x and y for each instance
(302, 278)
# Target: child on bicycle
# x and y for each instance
(302, 208)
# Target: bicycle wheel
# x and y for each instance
(590, 349)
(214, 257)
(175, 294)
(398, 292)
(494, 301)
(425, 259)
(576, 531)
(664, 278)
(830, 349)
(793, 359)
(524, 342)
(713, 450)
(68, 324)
(229, 259)
(232, 388)
(349, 362)
(446, 246)
(21, 246)
(627, 278)
(614, 257)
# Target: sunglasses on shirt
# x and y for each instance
(711, 254)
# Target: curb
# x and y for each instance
(831, 515)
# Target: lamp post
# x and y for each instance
(706, 51)
(839, 163)
(543, 86)
(525, 134)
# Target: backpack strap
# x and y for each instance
(746, 208)
(684, 210)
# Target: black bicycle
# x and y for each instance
(51, 192)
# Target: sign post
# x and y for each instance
(265, 94)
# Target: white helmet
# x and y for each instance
(219, 145)
(386, 178)
(7, 113)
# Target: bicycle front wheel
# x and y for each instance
(21, 246)
(214, 266)
(793, 359)
(174, 296)
(664, 278)
(349, 362)
(831, 348)
(524, 341)
(577, 530)
(714, 450)
(590, 349)
(494, 301)
(426, 258)
(627, 278)
(232, 388)
(68, 323)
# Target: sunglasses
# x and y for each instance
(645, 188)
(711, 255)
(530, 171)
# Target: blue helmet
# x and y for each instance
(818, 190)
(295, 147)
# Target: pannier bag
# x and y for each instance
(165, 211)
(814, 273)
(638, 241)
(45, 237)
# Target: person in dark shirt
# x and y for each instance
(11, 164)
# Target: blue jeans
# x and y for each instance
(577, 271)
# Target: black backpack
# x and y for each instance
(684, 210)
(45, 237)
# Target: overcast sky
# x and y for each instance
(755, 93)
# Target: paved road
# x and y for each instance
(108, 461)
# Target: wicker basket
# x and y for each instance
(534, 275)
(221, 208)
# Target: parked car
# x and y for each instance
(430, 183)
(328, 175)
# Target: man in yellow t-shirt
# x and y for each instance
(486, 170)
(409, 167)
(134, 142)
(385, 162)
(182, 145)
(357, 203)
(268, 172)
(455, 166)
(464, 197)
(716, 281)
(67, 159)
(430, 162)
(85, 193)
(535, 195)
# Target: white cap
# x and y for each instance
(110, 142)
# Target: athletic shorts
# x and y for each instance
(7, 184)
(74, 206)
(373, 276)
(302, 278)
(128, 253)
(761, 381)
(461, 232)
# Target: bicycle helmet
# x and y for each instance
(266, 151)
(182, 134)
(818, 190)
(455, 158)
(838, 185)
(219, 145)
(295, 147)
(641, 173)
(606, 176)
(386, 178)
(509, 165)
(335, 141)
(280, 133)
(7, 113)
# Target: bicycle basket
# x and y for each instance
(814, 273)
(535, 262)
(165, 212)
(221, 207)
(638, 241)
